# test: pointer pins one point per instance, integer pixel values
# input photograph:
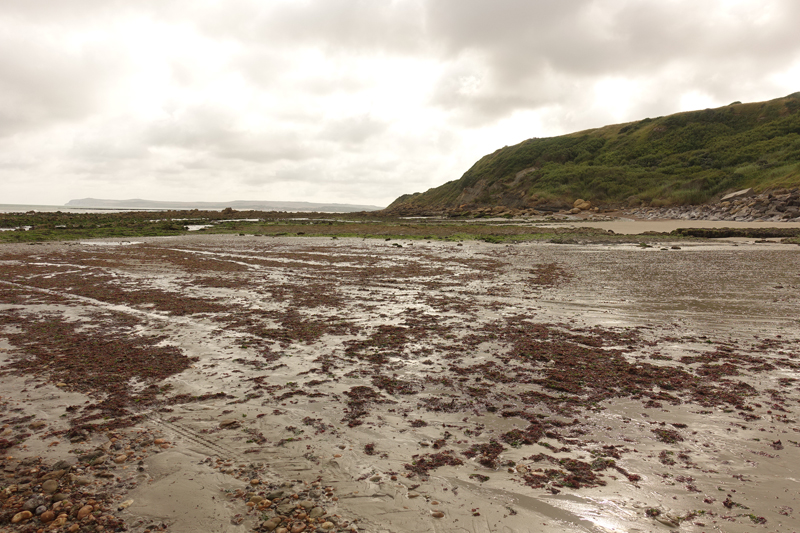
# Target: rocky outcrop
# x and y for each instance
(782, 205)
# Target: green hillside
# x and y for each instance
(685, 158)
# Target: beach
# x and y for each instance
(399, 385)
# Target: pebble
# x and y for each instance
(271, 524)
(327, 525)
(316, 512)
(33, 503)
(50, 486)
(437, 514)
(55, 474)
(413, 494)
(47, 517)
(298, 527)
(85, 511)
(228, 423)
(306, 504)
(125, 505)
(285, 508)
(120, 459)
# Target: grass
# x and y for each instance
(686, 158)
(80, 226)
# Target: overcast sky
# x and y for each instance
(350, 101)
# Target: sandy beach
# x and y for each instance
(239, 383)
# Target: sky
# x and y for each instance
(349, 101)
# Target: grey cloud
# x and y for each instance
(213, 130)
(353, 130)
(332, 25)
(42, 82)
(533, 54)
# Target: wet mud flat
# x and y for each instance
(239, 383)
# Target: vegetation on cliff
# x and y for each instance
(685, 158)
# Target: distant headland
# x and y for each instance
(241, 205)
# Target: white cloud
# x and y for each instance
(353, 101)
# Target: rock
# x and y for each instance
(21, 516)
(73, 528)
(316, 512)
(124, 505)
(744, 193)
(256, 499)
(375, 479)
(50, 486)
(285, 508)
(413, 495)
(582, 205)
(47, 517)
(437, 514)
(229, 423)
(327, 525)
(60, 496)
(82, 481)
(120, 459)
(271, 524)
(60, 521)
(37, 425)
(298, 527)
(85, 511)
(275, 494)
(33, 503)
(39, 510)
(306, 504)
(55, 474)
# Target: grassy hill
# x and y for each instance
(685, 158)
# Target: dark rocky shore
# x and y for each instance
(743, 206)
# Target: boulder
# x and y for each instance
(744, 193)
(581, 204)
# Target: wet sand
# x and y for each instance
(630, 226)
(529, 387)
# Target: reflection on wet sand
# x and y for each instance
(528, 387)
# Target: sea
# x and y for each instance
(23, 208)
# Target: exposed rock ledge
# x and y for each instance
(781, 205)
